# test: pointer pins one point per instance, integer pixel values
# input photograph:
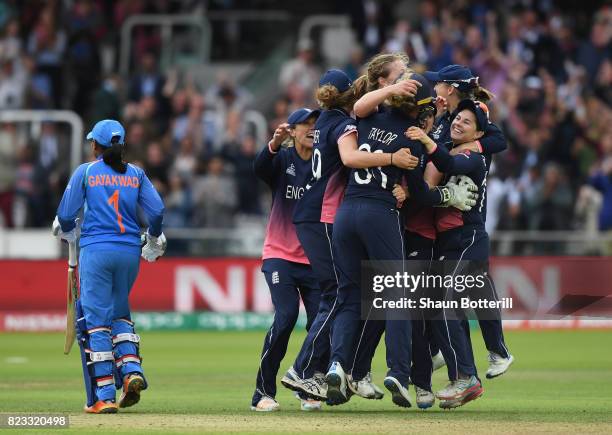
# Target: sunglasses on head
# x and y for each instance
(472, 82)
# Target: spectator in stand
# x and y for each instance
(136, 142)
(177, 202)
(13, 83)
(8, 156)
(148, 82)
(214, 196)
(247, 184)
(279, 114)
(597, 50)
(300, 76)
(106, 103)
(602, 181)
(186, 162)
(47, 44)
(355, 64)
(156, 167)
(82, 53)
(550, 208)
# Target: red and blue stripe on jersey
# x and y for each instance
(286, 173)
(324, 192)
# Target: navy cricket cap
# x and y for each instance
(104, 131)
(480, 111)
(424, 93)
(458, 76)
(336, 78)
(301, 115)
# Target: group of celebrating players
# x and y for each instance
(404, 178)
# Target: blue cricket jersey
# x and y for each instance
(110, 201)
(384, 132)
(323, 193)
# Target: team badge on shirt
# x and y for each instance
(291, 170)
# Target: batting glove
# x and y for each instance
(461, 194)
(154, 247)
(70, 236)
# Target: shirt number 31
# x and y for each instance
(113, 201)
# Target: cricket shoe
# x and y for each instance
(365, 387)
(460, 392)
(424, 398)
(314, 387)
(133, 384)
(399, 394)
(498, 365)
(437, 361)
(266, 404)
(102, 407)
(336, 385)
(308, 405)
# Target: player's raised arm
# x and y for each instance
(267, 162)
(353, 158)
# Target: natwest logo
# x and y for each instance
(196, 288)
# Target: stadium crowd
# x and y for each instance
(550, 69)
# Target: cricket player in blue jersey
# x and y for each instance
(109, 191)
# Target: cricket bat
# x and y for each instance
(71, 296)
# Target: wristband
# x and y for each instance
(445, 194)
(270, 148)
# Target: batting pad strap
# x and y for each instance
(126, 336)
(129, 322)
(99, 329)
(95, 357)
(106, 380)
(127, 359)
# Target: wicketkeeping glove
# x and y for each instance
(460, 193)
(154, 247)
(70, 236)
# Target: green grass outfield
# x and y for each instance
(203, 381)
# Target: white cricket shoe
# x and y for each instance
(438, 361)
(399, 394)
(365, 387)
(336, 385)
(498, 365)
(424, 398)
(308, 404)
(314, 387)
(460, 392)
(266, 404)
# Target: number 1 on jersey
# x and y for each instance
(113, 200)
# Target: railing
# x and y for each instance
(550, 243)
(67, 116)
(246, 240)
(166, 22)
(313, 21)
